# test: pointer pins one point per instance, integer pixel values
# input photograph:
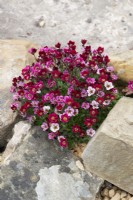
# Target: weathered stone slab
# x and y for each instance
(13, 57)
(123, 64)
(39, 170)
(110, 153)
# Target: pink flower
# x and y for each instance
(51, 135)
(84, 73)
(100, 93)
(90, 132)
(51, 83)
(32, 51)
(95, 104)
(44, 126)
(84, 93)
(114, 77)
(130, 85)
(68, 100)
(28, 95)
(110, 69)
(70, 111)
(14, 106)
(90, 80)
(85, 105)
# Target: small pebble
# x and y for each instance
(106, 198)
(119, 191)
(115, 188)
(111, 193)
(123, 194)
(79, 165)
(42, 23)
(128, 197)
(116, 197)
(123, 199)
(105, 192)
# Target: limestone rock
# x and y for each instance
(38, 169)
(109, 153)
(123, 64)
(20, 130)
(13, 57)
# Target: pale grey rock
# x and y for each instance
(14, 56)
(20, 130)
(61, 186)
(107, 23)
(37, 169)
(109, 153)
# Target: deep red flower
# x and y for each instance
(65, 77)
(93, 112)
(97, 87)
(40, 113)
(53, 118)
(21, 92)
(100, 100)
(69, 101)
(76, 129)
(55, 73)
(58, 45)
(100, 50)
(107, 96)
(94, 120)
(64, 118)
(63, 142)
(92, 63)
(13, 107)
(88, 122)
(75, 105)
(83, 42)
(76, 94)
(59, 107)
(102, 78)
(106, 59)
(81, 134)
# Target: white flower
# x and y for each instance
(54, 127)
(91, 132)
(46, 108)
(108, 85)
(95, 104)
(90, 91)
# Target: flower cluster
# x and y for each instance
(63, 91)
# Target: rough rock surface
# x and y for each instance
(39, 170)
(13, 58)
(107, 23)
(123, 64)
(109, 153)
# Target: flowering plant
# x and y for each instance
(129, 89)
(66, 92)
